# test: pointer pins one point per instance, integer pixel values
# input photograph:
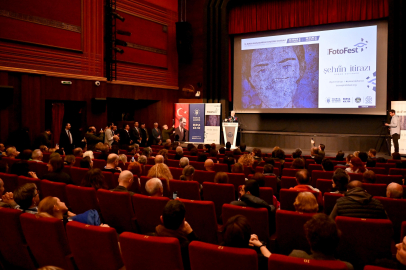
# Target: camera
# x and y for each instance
(97, 83)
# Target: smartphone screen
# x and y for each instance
(175, 195)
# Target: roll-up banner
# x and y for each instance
(182, 122)
(400, 108)
(212, 121)
(196, 127)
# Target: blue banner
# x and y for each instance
(196, 126)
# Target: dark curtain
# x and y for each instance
(278, 14)
(58, 110)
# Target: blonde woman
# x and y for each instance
(160, 170)
(247, 160)
(306, 203)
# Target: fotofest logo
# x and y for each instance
(357, 48)
(371, 80)
(336, 100)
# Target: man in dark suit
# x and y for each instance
(66, 140)
(125, 138)
(181, 130)
(144, 135)
(43, 139)
(135, 134)
(156, 135)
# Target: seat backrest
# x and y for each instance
(236, 179)
(314, 167)
(94, 247)
(99, 163)
(117, 210)
(147, 248)
(277, 261)
(77, 174)
(324, 185)
(13, 247)
(54, 189)
(24, 180)
(176, 172)
(204, 176)
(403, 231)
(108, 179)
(330, 200)
(320, 174)
(146, 169)
(186, 189)
(220, 167)
(396, 210)
(266, 193)
(219, 194)
(288, 181)
(82, 199)
(148, 210)
(201, 216)
(287, 198)
(205, 256)
(257, 217)
(10, 161)
(172, 163)
(289, 172)
(396, 171)
(355, 176)
(47, 240)
(387, 166)
(364, 240)
(290, 233)
(10, 181)
(375, 189)
(197, 165)
(377, 170)
(371, 267)
(387, 179)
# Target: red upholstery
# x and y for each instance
(396, 210)
(364, 240)
(277, 261)
(172, 163)
(144, 179)
(197, 165)
(10, 161)
(287, 198)
(24, 180)
(237, 179)
(148, 211)
(54, 189)
(375, 189)
(99, 163)
(10, 181)
(314, 167)
(46, 156)
(47, 240)
(176, 172)
(201, 216)
(395, 171)
(387, 166)
(288, 182)
(117, 210)
(266, 193)
(257, 217)
(355, 176)
(387, 179)
(186, 189)
(77, 174)
(289, 172)
(121, 151)
(261, 170)
(377, 170)
(287, 165)
(289, 231)
(403, 230)
(371, 267)
(324, 185)
(140, 252)
(205, 256)
(146, 169)
(220, 167)
(81, 199)
(330, 200)
(204, 176)
(108, 179)
(151, 161)
(320, 175)
(13, 247)
(94, 247)
(309, 161)
(219, 194)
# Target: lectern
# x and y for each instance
(230, 130)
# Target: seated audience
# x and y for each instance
(164, 153)
(394, 191)
(70, 160)
(260, 178)
(179, 153)
(43, 148)
(27, 197)
(372, 153)
(222, 150)
(37, 155)
(94, 178)
(318, 158)
(381, 160)
(340, 181)
(112, 164)
(194, 152)
(159, 159)
(190, 146)
(323, 237)
(358, 203)
(122, 158)
(356, 154)
(183, 162)
(161, 170)
(303, 180)
(257, 154)
(88, 154)
(7, 199)
(188, 173)
(297, 153)
(322, 147)
(348, 159)
(209, 165)
(135, 168)
(12, 152)
(173, 224)
(363, 156)
(327, 165)
(371, 162)
(369, 177)
(154, 187)
(86, 163)
(221, 178)
(206, 148)
(340, 155)
(78, 152)
(305, 202)
(356, 166)
(147, 152)
(237, 152)
(201, 157)
(243, 147)
(237, 168)
(55, 171)
(125, 180)
(228, 146)
(298, 163)
(213, 153)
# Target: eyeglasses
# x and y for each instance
(36, 193)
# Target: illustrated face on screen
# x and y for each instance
(274, 75)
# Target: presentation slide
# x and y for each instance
(311, 72)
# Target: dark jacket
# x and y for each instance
(178, 157)
(316, 256)
(122, 189)
(92, 140)
(155, 134)
(42, 139)
(166, 133)
(358, 203)
(61, 177)
(135, 135)
(125, 137)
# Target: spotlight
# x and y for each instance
(118, 16)
(124, 33)
(121, 42)
(121, 51)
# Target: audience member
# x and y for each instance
(179, 153)
(194, 152)
(237, 168)
(302, 179)
(188, 173)
(70, 160)
(92, 139)
(348, 159)
(363, 156)
(183, 162)
(222, 150)
(86, 163)
(356, 166)
(7, 199)
(125, 180)
(154, 187)
(372, 153)
(160, 170)
(27, 197)
(314, 151)
(318, 159)
(88, 154)
(322, 147)
(394, 191)
(94, 178)
(340, 181)
(371, 162)
(209, 165)
(297, 153)
(257, 154)
(358, 203)
(55, 171)
(112, 164)
(297, 163)
(250, 197)
(228, 146)
(369, 177)
(135, 168)
(356, 153)
(78, 152)
(237, 152)
(159, 159)
(12, 152)
(243, 147)
(327, 165)
(305, 202)
(213, 153)
(340, 155)
(221, 178)
(25, 155)
(164, 153)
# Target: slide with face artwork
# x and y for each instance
(340, 70)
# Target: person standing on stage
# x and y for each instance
(166, 133)
(156, 135)
(66, 140)
(394, 128)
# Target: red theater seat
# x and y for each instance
(54, 189)
(330, 200)
(387, 166)
(81, 199)
(320, 175)
(186, 189)
(10, 181)
(377, 170)
(77, 175)
(236, 179)
(314, 167)
(287, 198)
(289, 172)
(108, 179)
(197, 165)
(24, 180)
(47, 240)
(375, 189)
(204, 176)
(94, 247)
(395, 171)
(288, 182)
(220, 167)
(324, 185)
(150, 252)
(266, 193)
(172, 163)
(396, 210)
(99, 163)
(205, 256)
(356, 176)
(277, 261)
(219, 194)
(176, 172)
(387, 179)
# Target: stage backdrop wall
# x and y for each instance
(400, 108)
